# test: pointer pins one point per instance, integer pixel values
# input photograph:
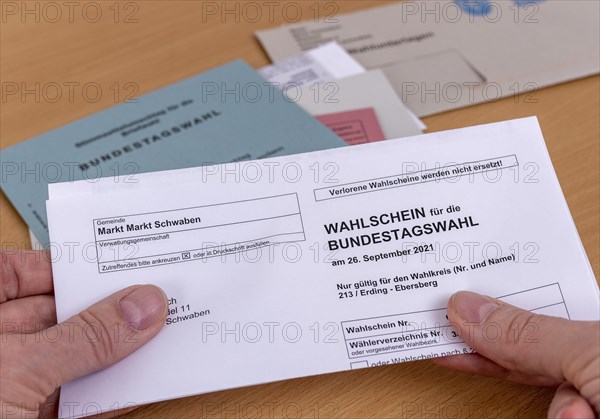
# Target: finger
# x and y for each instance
(97, 337)
(24, 273)
(477, 364)
(522, 341)
(27, 315)
(569, 404)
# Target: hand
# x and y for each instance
(530, 348)
(37, 355)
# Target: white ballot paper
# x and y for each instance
(327, 62)
(318, 262)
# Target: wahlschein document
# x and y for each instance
(319, 262)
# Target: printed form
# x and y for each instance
(318, 262)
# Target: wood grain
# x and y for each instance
(153, 43)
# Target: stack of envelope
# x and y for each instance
(327, 80)
(224, 115)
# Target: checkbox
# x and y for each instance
(358, 365)
(186, 255)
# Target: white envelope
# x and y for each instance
(317, 262)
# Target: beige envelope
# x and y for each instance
(443, 55)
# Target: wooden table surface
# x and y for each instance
(139, 46)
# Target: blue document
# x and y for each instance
(227, 114)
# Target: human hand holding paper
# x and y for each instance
(37, 355)
(530, 348)
(39, 358)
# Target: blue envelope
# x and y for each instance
(227, 114)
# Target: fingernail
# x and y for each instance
(472, 307)
(567, 413)
(144, 306)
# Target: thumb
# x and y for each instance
(102, 335)
(523, 341)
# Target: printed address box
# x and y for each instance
(156, 238)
